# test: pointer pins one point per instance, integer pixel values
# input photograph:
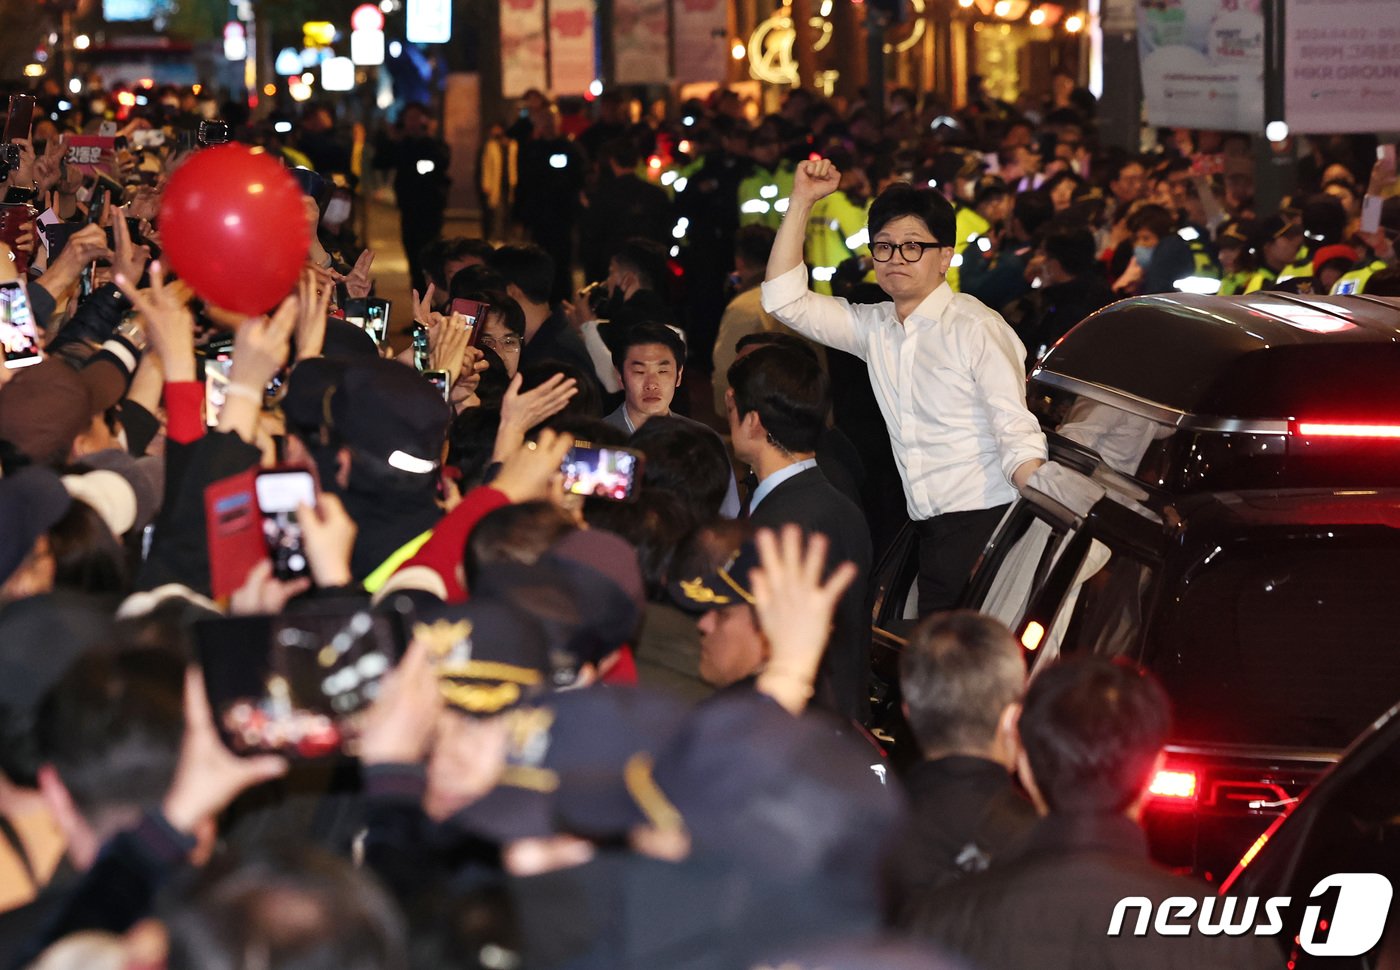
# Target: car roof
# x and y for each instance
(1250, 364)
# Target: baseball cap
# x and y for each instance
(1236, 232)
(107, 492)
(43, 408)
(570, 748)
(729, 585)
(308, 385)
(602, 570)
(388, 412)
(1269, 228)
(791, 797)
(345, 341)
(32, 500)
(1324, 219)
(489, 656)
(145, 475)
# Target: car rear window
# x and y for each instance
(1284, 643)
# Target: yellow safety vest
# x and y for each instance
(1232, 284)
(375, 581)
(970, 226)
(836, 231)
(1355, 280)
(763, 196)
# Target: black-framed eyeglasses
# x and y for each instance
(912, 251)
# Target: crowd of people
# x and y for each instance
(486, 718)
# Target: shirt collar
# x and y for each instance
(934, 304)
(777, 478)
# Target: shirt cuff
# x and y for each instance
(785, 289)
(1022, 453)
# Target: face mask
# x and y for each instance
(1143, 255)
(337, 211)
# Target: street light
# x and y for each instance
(1074, 23)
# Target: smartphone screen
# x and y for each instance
(216, 376)
(438, 378)
(607, 472)
(20, 118)
(18, 334)
(420, 346)
(474, 311)
(280, 492)
(296, 684)
(377, 319)
(357, 312)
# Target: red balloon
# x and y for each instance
(232, 225)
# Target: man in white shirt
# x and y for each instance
(948, 373)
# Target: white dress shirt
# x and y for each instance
(766, 486)
(950, 381)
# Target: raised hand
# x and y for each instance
(166, 318)
(328, 534)
(795, 609)
(128, 260)
(448, 351)
(399, 725)
(521, 412)
(423, 306)
(815, 179)
(263, 592)
(314, 298)
(533, 471)
(357, 281)
(208, 776)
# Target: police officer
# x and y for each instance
(836, 227)
(763, 195)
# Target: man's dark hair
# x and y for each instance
(1073, 249)
(621, 152)
(470, 440)
(959, 672)
(644, 334)
(789, 392)
(1116, 167)
(754, 244)
(1091, 729)
(509, 310)
(1383, 282)
(297, 908)
(587, 403)
(776, 338)
(654, 524)
(1033, 210)
(473, 278)
(902, 199)
(528, 267)
(645, 258)
(687, 460)
(517, 533)
(1155, 219)
(111, 729)
(87, 558)
(437, 254)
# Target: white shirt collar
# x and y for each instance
(932, 306)
(777, 478)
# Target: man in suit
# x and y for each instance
(777, 404)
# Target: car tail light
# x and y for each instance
(1174, 786)
(1347, 429)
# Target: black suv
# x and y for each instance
(1223, 507)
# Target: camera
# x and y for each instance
(597, 295)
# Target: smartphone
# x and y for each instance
(18, 334)
(214, 133)
(297, 684)
(474, 311)
(148, 138)
(439, 379)
(603, 472)
(356, 312)
(216, 378)
(280, 491)
(420, 346)
(377, 319)
(20, 118)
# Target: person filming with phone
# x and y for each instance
(948, 373)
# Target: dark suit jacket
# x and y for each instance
(810, 501)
